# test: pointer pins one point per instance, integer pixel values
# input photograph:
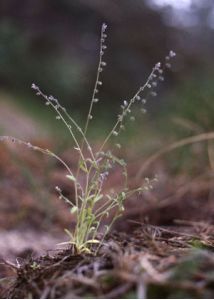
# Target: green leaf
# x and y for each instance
(71, 177)
(84, 249)
(65, 243)
(69, 234)
(92, 241)
(98, 197)
(92, 229)
(107, 227)
(82, 166)
(94, 198)
(74, 209)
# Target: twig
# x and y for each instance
(119, 291)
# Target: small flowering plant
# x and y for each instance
(91, 206)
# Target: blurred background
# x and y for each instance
(55, 44)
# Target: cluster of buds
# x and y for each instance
(103, 176)
(168, 58)
(49, 99)
(101, 66)
(150, 86)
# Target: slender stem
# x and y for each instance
(66, 199)
(78, 146)
(55, 107)
(102, 206)
(36, 148)
(64, 121)
(107, 209)
(82, 133)
(95, 90)
(106, 232)
(131, 102)
(102, 39)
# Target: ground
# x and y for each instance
(162, 246)
(152, 262)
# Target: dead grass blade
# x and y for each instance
(191, 140)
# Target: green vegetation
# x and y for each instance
(91, 205)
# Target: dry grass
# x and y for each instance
(152, 262)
